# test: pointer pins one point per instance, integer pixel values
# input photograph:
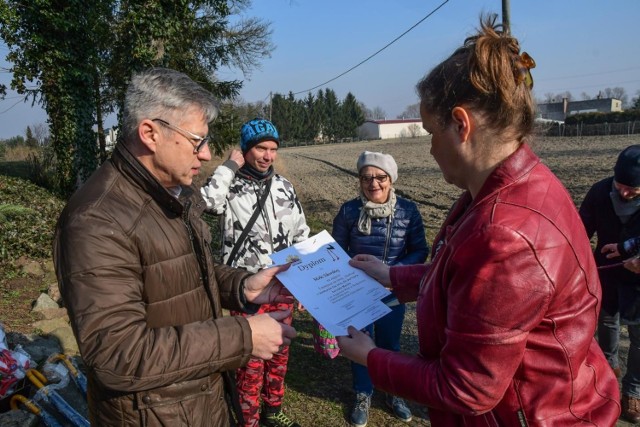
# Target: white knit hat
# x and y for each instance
(380, 161)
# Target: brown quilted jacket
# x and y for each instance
(145, 300)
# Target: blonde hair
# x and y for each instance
(486, 74)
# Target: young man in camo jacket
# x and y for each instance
(236, 190)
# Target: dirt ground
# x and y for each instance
(325, 177)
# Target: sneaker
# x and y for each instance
(276, 419)
(399, 407)
(360, 413)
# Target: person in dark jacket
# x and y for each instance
(137, 276)
(507, 309)
(380, 223)
(611, 210)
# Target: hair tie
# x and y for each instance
(524, 73)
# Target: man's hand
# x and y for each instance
(373, 267)
(356, 346)
(632, 264)
(264, 288)
(611, 250)
(269, 333)
(237, 156)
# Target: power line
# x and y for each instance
(18, 102)
(380, 50)
(590, 74)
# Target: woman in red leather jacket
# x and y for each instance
(507, 308)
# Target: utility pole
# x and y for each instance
(506, 16)
(270, 104)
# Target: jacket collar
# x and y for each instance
(129, 165)
(509, 171)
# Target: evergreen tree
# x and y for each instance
(352, 116)
(332, 115)
(31, 141)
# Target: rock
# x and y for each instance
(32, 268)
(48, 267)
(44, 302)
(54, 291)
(67, 340)
(47, 326)
(40, 348)
(51, 281)
(53, 313)
(18, 418)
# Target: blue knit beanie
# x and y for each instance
(255, 131)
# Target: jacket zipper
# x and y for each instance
(198, 251)
(388, 238)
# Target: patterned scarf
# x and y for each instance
(625, 209)
(374, 210)
(252, 174)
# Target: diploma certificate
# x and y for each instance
(336, 294)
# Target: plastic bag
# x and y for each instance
(324, 342)
(13, 365)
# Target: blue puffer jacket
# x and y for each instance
(401, 243)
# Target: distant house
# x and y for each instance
(558, 111)
(385, 129)
(110, 136)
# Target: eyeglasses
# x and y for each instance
(197, 141)
(367, 179)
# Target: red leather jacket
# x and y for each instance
(506, 312)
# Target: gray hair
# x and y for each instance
(162, 93)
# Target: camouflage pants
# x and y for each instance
(262, 378)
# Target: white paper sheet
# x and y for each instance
(336, 294)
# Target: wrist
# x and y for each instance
(231, 164)
(242, 296)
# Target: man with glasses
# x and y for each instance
(611, 210)
(261, 214)
(135, 269)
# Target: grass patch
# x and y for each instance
(317, 225)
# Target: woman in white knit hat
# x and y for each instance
(378, 222)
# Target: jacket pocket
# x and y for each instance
(194, 403)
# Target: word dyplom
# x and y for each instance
(310, 265)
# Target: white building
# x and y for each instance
(559, 111)
(111, 137)
(385, 129)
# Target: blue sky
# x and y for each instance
(578, 45)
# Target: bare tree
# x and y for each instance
(635, 102)
(621, 94)
(410, 112)
(368, 114)
(564, 95)
(379, 114)
(414, 130)
(41, 133)
(585, 96)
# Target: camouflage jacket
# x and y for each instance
(280, 224)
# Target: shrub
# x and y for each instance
(26, 231)
(18, 153)
(41, 169)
